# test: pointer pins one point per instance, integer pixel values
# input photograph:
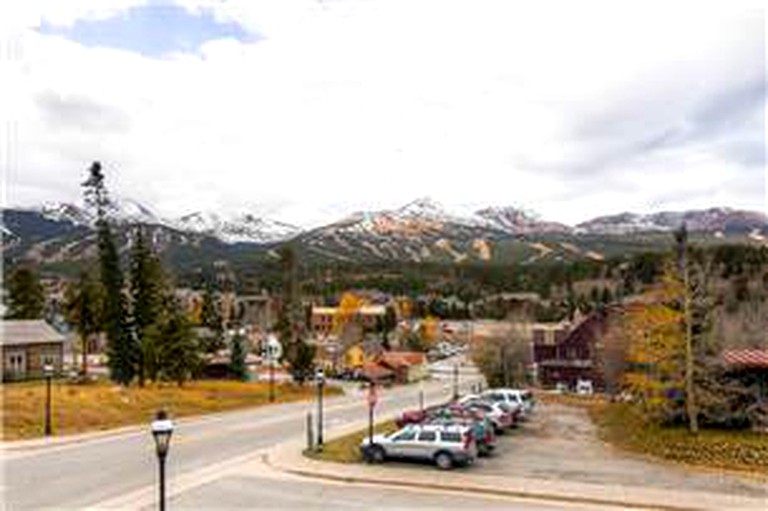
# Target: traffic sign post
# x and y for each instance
(272, 353)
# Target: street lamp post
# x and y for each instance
(48, 371)
(455, 382)
(320, 377)
(421, 395)
(372, 400)
(162, 429)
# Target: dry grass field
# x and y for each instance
(100, 406)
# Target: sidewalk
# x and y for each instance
(288, 458)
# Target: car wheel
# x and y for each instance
(376, 454)
(444, 461)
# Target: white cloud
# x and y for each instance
(571, 109)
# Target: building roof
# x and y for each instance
(400, 358)
(746, 358)
(374, 371)
(28, 331)
(365, 310)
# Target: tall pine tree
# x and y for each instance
(121, 346)
(147, 286)
(291, 319)
(25, 295)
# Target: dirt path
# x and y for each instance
(560, 442)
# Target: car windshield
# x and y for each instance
(403, 436)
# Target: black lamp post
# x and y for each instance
(320, 377)
(455, 382)
(162, 429)
(48, 371)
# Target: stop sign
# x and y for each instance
(372, 396)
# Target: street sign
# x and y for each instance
(273, 350)
(373, 397)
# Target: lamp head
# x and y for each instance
(162, 429)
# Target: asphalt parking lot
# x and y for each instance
(560, 442)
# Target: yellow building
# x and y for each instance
(354, 358)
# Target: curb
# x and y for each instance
(481, 491)
(300, 465)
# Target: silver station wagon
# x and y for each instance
(444, 445)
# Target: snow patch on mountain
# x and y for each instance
(709, 220)
(242, 228)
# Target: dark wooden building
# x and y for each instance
(569, 356)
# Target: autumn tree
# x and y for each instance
(504, 359)
(25, 295)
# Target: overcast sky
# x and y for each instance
(308, 110)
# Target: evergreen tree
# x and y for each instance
(147, 287)
(25, 295)
(237, 368)
(121, 346)
(389, 323)
(304, 362)
(291, 317)
(83, 309)
(606, 297)
(179, 353)
(210, 317)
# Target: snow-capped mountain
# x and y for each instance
(122, 210)
(420, 231)
(244, 228)
(65, 212)
(708, 220)
(240, 228)
(518, 221)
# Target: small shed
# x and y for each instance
(26, 346)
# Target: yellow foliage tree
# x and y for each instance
(429, 331)
(656, 349)
(345, 324)
(348, 309)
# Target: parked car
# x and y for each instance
(584, 387)
(501, 416)
(444, 445)
(482, 427)
(522, 399)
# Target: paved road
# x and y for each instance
(89, 473)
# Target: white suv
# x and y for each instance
(446, 446)
(518, 398)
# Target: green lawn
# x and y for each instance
(346, 449)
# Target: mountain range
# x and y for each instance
(422, 230)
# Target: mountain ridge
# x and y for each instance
(420, 231)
